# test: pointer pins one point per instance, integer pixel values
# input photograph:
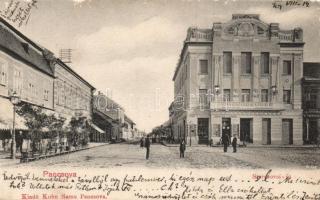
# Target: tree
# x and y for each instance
(35, 119)
(79, 127)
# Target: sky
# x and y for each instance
(132, 47)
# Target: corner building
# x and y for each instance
(241, 78)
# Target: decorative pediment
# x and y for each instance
(246, 29)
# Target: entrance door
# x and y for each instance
(287, 137)
(226, 126)
(246, 130)
(203, 130)
(313, 131)
(266, 131)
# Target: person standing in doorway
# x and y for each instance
(234, 144)
(225, 142)
(147, 145)
(182, 148)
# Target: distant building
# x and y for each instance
(111, 117)
(311, 102)
(241, 78)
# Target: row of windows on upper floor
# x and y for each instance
(246, 95)
(246, 64)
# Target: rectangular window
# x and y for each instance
(264, 63)
(46, 95)
(286, 67)
(246, 63)
(226, 95)
(203, 97)
(203, 66)
(227, 62)
(245, 95)
(264, 95)
(3, 74)
(287, 96)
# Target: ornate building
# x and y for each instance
(241, 78)
(311, 102)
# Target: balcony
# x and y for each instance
(229, 105)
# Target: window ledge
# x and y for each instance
(265, 75)
(246, 75)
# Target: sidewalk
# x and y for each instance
(5, 159)
(247, 146)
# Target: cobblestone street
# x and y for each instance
(128, 155)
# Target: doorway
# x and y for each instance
(287, 135)
(246, 134)
(266, 131)
(226, 126)
(203, 130)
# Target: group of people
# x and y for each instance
(225, 140)
(145, 142)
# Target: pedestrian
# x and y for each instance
(182, 148)
(234, 144)
(147, 145)
(225, 142)
(141, 142)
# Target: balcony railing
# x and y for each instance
(229, 105)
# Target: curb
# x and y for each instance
(52, 155)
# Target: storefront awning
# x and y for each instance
(97, 128)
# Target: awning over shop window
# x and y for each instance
(97, 128)
(6, 116)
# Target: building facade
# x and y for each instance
(72, 94)
(38, 78)
(311, 102)
(22, 68)
(241, 78)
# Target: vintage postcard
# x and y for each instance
(158, 99)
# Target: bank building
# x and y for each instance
(241, 78)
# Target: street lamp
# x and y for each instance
(15, 99)
(217, 89)
(274, 89)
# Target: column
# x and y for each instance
(297, 70)
(236, 57)
(257, 130)
(276, 130)
(297, 131)
(275, 78)
(235, 124)
(193, 80)
(216, 129)
(255, 83)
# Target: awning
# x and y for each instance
(97, 128)
(6, 116)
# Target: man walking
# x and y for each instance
(225, 142)
(147, 145)
(182, 148)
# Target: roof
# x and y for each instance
(20, 47)
(126, 118)
(68, 68)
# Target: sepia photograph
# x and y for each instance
(158, 99)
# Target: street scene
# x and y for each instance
(196, 157)
(242, 91)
